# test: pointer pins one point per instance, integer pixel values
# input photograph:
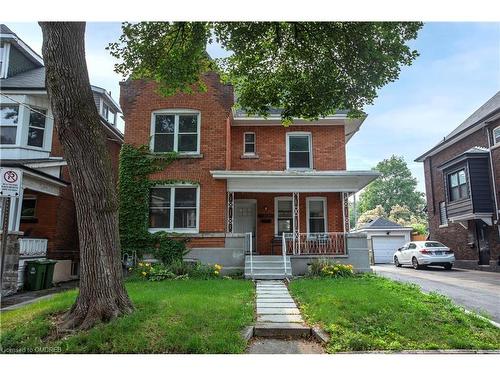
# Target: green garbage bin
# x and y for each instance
(35, 274)
(49, 273)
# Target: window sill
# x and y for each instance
(189, 156)
(173, 231)
(443, 226)
(249, 156)
(29, 220)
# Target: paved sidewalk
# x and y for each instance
(24, 298)
(275, 305)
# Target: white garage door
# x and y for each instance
(384, 247)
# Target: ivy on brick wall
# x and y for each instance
(136, 165)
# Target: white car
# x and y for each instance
(424, 253)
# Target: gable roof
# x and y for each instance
(381, 223)
(478, 118)
(33, 79)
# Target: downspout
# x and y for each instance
(493, 180)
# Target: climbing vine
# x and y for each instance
(136, 165)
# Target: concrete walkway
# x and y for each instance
(274, 303)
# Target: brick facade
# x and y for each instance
(221, 148)
(461, 240)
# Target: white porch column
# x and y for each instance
(345, 211)
(296, 222)
(230, 211)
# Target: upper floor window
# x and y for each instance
(9, 114)
(36, 127)
(249, 143)
(457, 183)
(176, 131)
(174, 208)
(299, 155)
(496, 135)
(108, 114)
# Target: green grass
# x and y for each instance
(182, 316)
(373, 313)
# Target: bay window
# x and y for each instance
(176, 131)
(299, 151)
(174, 208)
(36, 128)
(9, 115)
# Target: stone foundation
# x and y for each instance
(11, 266)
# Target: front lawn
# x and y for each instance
(373, 313)
(181, 316)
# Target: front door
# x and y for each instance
(483, 244)
(245, 218)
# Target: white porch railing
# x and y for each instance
(331, 243)
(249, 249)
(33, 247)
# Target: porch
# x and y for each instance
(293, 217)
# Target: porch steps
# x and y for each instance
(267, 267)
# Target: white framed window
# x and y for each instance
(316, 215)
(458, 188)
(299, 150)
(28, 208)
(496, 135)
(108, 113)
(9, 116)
(175, 130)
(174, 208)
(283, 213)
(36, 127)
(443, 217)
(249, 143)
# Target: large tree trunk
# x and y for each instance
(102, 293)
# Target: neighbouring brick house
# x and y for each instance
(246, 174)
(462, 177)
(44, 215)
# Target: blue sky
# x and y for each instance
(458, 70)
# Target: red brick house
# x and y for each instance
(462, 179)
(44, 215)
(247, 174)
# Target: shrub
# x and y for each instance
(167, 249)
(178, 269)
(328, 268)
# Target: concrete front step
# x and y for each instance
(281, 330)
(277, 310)
(265, 276)
(277, 318)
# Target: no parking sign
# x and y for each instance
(10, 181)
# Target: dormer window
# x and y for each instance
(176, 131)
(9, 115)
(108, 114)
(298, 150)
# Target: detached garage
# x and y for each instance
(384, 238)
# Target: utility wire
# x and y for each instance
(27, 106)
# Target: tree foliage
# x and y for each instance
(307, 69)
(395, 187)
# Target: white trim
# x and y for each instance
(254, 144)
(176, 112)
(325, 211)
(276, 200)
(5, 61)
(291, 134)
(172, 209)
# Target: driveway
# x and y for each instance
(475, 290)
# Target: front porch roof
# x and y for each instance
(295, 181)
